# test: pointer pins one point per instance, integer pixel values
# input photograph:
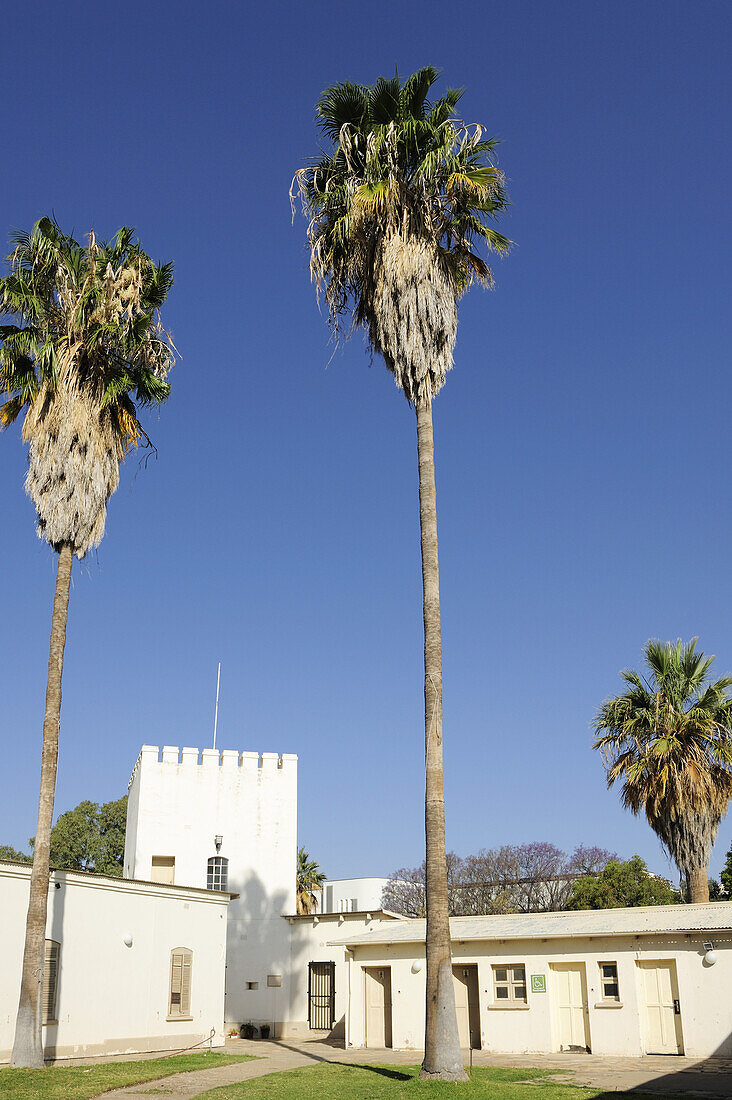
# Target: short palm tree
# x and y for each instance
(309, 879)
(395, 211)
(668, 741)
(85, 349)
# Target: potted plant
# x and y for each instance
(248, 1031)
(264, 1031)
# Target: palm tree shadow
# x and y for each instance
(383, 1071)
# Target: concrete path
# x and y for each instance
(657, 1075)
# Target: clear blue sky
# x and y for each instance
(582, 440)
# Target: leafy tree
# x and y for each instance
(716, 893)
(309, 878)
(91, 838)
(394, 212)
(515, 878)
(668, 741)
(6, 852)
(85, 350)
(620, 884)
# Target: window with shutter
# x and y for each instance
(50, 980)
(181, 965)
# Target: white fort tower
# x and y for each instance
(224, 821)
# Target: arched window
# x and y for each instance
(218, 873)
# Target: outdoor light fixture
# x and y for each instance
(710, 956)
(127, 941)
(417, 966)
(218, 841)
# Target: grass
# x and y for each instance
(335, 1080)
(83, 1082)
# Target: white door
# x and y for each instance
(377, 990)
(570, 1006)
(661, 1007)
(465, 980)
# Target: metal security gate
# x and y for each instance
(321, 996)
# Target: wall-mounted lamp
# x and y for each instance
(218, 841)
(710, 956)
(127, 940)
(417, 966)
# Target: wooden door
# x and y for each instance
(377, 989)
(465, 980)
(661, 1007)
(572, 1018)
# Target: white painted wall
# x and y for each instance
(179, 802)
(703, 992)
(351, 895)
(113, 999)
(309, 942)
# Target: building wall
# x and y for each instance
(111, 998)
(703, 993)
(351, 895)
(309, 942)
(179, 802)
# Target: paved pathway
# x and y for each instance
(662, 1076)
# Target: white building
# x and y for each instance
(227, 821)
(351, 895)
(203, 930)
(628, 982)
(130, 965)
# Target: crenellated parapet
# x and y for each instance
(227, 760)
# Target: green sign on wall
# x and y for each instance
(538, 983)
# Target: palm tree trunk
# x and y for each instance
(442, 1057)
(28, 1045)
(697, 884)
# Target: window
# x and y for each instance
(218, 873)
(509, 984)
(609, 981)
(163, 869)
(50, 981)
(181, 964)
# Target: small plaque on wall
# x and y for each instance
(538, 983)
(274, 980)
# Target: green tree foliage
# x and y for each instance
(91, 838)
(667, 740)
(309, 878)
(6, 852)
(622, 883)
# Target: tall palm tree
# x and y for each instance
(309, 878)
(86, 349)
(668, 741)
(394, 212)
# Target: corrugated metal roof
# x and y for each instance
(643, 920)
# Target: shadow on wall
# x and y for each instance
(257, 941)
(55, 931)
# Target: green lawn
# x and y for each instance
(82, 1082)
(338, 1080)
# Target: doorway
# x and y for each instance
(467, 1006)
(661, 1007)
(321, 996)
(377, 995)
(571, 1013)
